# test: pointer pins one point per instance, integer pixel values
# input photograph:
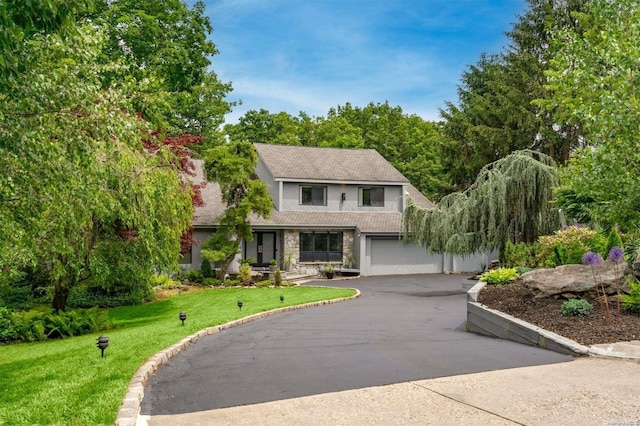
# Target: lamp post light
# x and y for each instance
(240, 304)
(103, 342)
(183, 316)
(281, 298)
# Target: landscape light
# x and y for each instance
(103, 342)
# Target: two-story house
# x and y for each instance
(330, 205)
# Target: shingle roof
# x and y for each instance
(384, 222)
(364, 221)
(327, 164)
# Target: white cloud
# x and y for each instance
(291, 55)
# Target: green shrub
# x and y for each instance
(24, 290)
(231, 283)
(89, 296)
(140, 292)
(17, 297)
(575, 307)
(244, 274)
(264, 283)
(165, 282)
(278, 277)
(520, 254)
(82, 296)
(205, 269)
(499, 276)
(8, 329)
(614, 239)
(194, 275)
(33, 326)
(522, 270)
(568, 245)
(631, 301)
(210, 281)
(28, 326)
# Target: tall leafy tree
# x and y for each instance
(594, 79)
(232, 167)
(410, 143)
(21, 20)
(337, 132)
(163, 46)
(495, 114)
(264, 127)
(81, 197)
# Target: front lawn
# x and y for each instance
(66, 382)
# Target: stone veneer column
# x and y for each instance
(347, 243)
(292, 245)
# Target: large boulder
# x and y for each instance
(576, 280)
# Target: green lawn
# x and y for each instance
(66, 382)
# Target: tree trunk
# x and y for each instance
(225, 264)
(60, 294)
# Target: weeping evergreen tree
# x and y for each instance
(509, 201)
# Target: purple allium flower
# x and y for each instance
(591, 258)
(615, 254)
(565, 227)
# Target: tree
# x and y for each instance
(409, 143)
(264, 127)
(81, 198)
(232, 167)
(496, 114)
(509, 201)
(163, 46)
(337, 132)
(594, 78)
(20, 21)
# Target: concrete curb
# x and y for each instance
(130, 407)
(490, 322)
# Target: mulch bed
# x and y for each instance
(516, 300)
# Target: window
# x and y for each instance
(313, 195)
(371, 197)
(321, 246)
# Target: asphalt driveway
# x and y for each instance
(402, 328)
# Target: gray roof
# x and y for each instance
(368, 222)
(327, 164)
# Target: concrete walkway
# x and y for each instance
(587, 391)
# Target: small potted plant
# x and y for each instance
(329, 271)
(273, 264)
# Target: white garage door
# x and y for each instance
(393, 257)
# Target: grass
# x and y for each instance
(65, 382)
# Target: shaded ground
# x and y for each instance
(516, 300)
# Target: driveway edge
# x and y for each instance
(130, 407)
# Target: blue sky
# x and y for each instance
(311, 55)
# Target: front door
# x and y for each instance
(262, 249)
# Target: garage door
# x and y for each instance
(393, 257)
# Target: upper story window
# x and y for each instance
(313, 195)
(371, 197)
